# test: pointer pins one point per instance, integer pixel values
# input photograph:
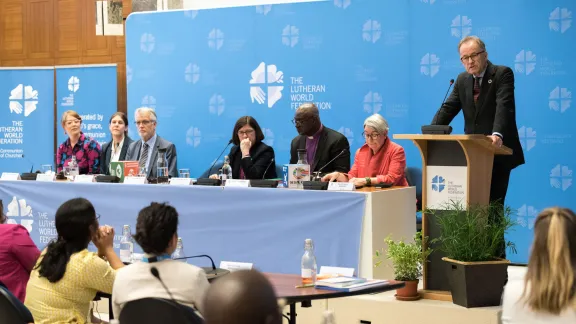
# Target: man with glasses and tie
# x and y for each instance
(145, 150)
(485, 93)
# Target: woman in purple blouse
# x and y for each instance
(86, 149)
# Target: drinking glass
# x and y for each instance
(184, 173)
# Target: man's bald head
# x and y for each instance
(307, 119)
(242, 297)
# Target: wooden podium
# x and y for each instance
(454, 167)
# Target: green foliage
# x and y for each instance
(474, 234)
(407, 258)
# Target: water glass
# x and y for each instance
(184, 173)
(47, 168)
(142, 172)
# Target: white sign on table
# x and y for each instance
(237, 183)
(46, 177)
(84, 178)
(135, 180)
(10, 176)
(180, 181)
(235, 266)
(341, 186)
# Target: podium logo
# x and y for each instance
(560, 99)
(560, 20)
(526, 216)
(73, 84)
(429, 65)
(23, 98)
(290, 36)
(264, 9)
(527, 137)
(217, 103)
(19, 208)
(215, 39)
(193, 136)
(268, 136)
(348, 133)
(266, 84)
(372, 102)
(461, 26)
(342, 3)
(561, 177)
(191, 13)
(149, 101)
(147, 43)
(192, 73)
(525, 62)
(371, 31)
(438, 183)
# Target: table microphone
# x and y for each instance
(443, 101)
(216, 272)
(325, 165)
(213, 164)
(268, 167)
(32, 164)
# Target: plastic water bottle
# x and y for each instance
(226, 171)
(179, 252)
(73, 167)
(126, 245)
(309, 267)
(162, 167)
(303, 168)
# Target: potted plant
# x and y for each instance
(407, 260)
(472, 239)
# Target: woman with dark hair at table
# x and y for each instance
(86, 149)
(67, 276)
(157, 234)
(250, 157)
(116, 149)
(18, 254)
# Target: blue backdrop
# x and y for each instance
(26, 118)
(90, 90)
(201, 70)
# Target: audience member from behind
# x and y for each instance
(67, 276)
(157, 234)
(18, 254)
(242, 297)
(548, 292)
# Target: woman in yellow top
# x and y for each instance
(67, 276)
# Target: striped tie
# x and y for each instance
(143, 157)
(476, 89)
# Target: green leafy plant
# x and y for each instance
(475, 233)
(407, 258)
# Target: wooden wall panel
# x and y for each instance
(59, 32)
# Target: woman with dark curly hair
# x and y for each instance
(157, 234)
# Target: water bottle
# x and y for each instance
(328, 317)
(309, 267)
(302, 169)
(126, 245)
(73, 167)
(226, 171)
(179, 252)
(162, 167)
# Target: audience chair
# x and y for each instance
(158, 310)
(12, 310)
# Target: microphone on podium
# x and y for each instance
(316, 182)
(439, 129)
(211, 273)
(317, 173)
(208, 181)
(264, 183)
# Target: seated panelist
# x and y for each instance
(116, 149)
(379, 160)
(250, 157)
(86, 149)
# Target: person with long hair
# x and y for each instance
(18, 254)
(116, 149)
(548, 292)
(67, 276)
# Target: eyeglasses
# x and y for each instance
(97, 216)
(143, 122)
(299, 121)
(472, 56)
(73, 122)
(246, 132)
(374, 136)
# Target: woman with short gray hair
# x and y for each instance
(379, 160)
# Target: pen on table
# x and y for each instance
(305, 286)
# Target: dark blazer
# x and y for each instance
(106, 154)
(495, 110)
(260, 157)
(331, 144)
(133, 154)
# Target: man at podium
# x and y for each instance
(485, 93)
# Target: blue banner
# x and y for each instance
(90, 90)
(201, 70)
(26, 118)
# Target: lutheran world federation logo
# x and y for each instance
(266, 84)
(438, 183)
(23, 99)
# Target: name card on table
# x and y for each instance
(135, 180)
(10, 176)
(46, 177)
(237, 183)
(181, 181)
(84, 178)
(235, 266)
(341, 186)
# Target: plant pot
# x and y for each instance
(409, 291)
(477, 284)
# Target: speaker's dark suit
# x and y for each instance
(106, 154)
(330, 144)
(494, 112)
(134, 149)
(254, 166)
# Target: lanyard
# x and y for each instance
(156, 258)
